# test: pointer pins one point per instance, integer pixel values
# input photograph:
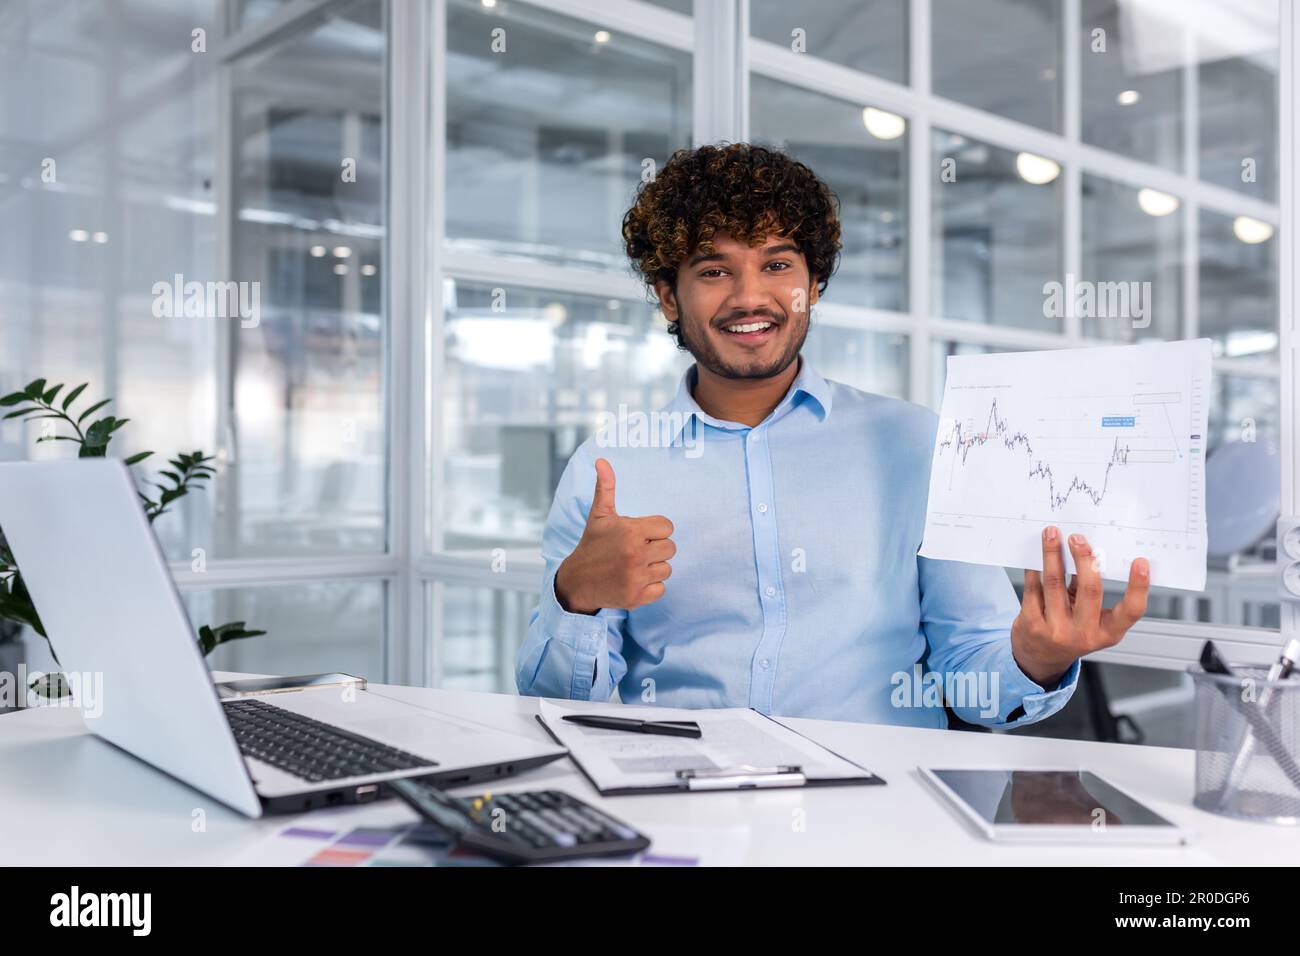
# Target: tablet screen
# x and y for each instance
(1060, 797)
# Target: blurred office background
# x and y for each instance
(437, 335)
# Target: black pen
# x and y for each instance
(668, 728)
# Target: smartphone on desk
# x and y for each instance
(255, 686)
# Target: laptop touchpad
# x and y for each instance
(418, 734)
(388, 721)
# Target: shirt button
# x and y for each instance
(762, 507)
(770, 591)
(763, 663)
(753, 436)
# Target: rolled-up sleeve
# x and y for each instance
(966, 613)
(578, 656)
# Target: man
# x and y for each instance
(768, 557)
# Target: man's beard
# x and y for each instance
(706, 355)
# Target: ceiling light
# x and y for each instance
(882, 124)
(1037, 170)
(1155, 203)
(1249, 342)
(1251, 231)
(78, 235)
(555, 314)
(602, 36)
(318, 251)
(1128, 97)
(342, 252)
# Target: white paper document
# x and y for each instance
(1107, 442)
(732, 739)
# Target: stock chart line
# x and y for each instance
(997, 428)
(1118, 456)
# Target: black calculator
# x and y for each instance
(536, 826)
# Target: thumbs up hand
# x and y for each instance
(620, 562)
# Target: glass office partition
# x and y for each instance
(307, 436)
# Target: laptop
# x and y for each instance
(110, 607)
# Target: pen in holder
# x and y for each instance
(1248, 745)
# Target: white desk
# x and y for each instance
(68, 798)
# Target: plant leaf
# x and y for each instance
(34, 389)
(210, 639)
(13, 398)
(72, 395)
(51, 686)
(48, 397)
(18, 606)
(137, 458)
(99, 433)
(93, 408)
(171, 495)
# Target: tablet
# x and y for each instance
(1051, 806)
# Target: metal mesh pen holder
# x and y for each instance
(1248, 745)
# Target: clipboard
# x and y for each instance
(743, 777)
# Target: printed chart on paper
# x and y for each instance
(1108, 442)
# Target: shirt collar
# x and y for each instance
(807, 386)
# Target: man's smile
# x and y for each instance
(750, 331)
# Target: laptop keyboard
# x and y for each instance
(308, 748)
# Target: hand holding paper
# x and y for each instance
(1058, 625)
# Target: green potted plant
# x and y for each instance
(187, 472)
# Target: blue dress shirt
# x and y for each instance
(796, 588)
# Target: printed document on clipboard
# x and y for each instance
(739, 749)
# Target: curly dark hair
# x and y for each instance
(751, 192)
